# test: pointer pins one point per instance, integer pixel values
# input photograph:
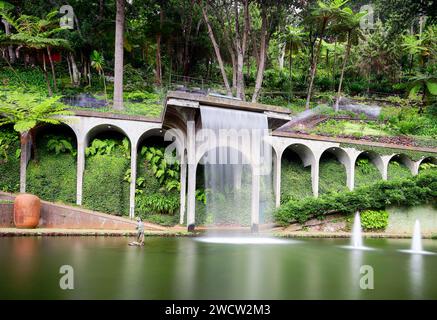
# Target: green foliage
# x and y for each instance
(372, 220)
(332, 175)
(104, 187)
(167, 174)
(295, 180)
(366, 173)
(397, 170)
(25, 110)
(9, 161)
(157, 203)
(161, 219)
(108, 147)
(60, 145)
(53, 177)
(413, 191)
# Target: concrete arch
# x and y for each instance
(406, 161)
(374, 157)
(430, 159)
(104, 127)
(345, 159)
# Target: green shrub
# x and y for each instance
(9, 160)
(366, 173)
(157, 203)
(412, 191)
(104, 187)
(53, 177)
(161, 219)
(374, 219)
(295, 181)
(332, 175)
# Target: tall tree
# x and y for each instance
(321, 15)
(118, 56)
(350, 23)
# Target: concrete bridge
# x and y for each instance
(181, 116)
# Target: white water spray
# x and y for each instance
(416, 244)
(357, 240)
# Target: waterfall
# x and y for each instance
(234, 140)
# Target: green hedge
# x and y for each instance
(104, 187)
(53, 177)
(406, 192)
(295, 181)
(10, 167)
(332, 176)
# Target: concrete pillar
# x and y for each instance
(191, 155)
(315, 176)
(385, 162)
(277, 178)
(415, 167)
(350, 175)
(133, 181)
(81, 146)
(255, 201)
(183, 195)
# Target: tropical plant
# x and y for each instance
(25, 111)
(293, 39)
(350, 24)
(98, 62)
(321, 15)
(425, 83)
(60, 145)
(37, 34)
(167, 174)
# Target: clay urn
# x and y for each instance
(27, 209)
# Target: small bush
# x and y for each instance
(374, 220)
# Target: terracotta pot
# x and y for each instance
(27, 209)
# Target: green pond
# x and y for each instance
(186, 268)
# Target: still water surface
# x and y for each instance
(186, 268)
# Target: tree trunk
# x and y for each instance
(49, 88)
(281, 57)
(52, 66)
(118, 67)
(314, 65)
(74, 70)
(158, 73)
(290, 71)
(24, 142)
(262, 58)
(69, 70)
(11, 51)
(346, 55)
(216, 50)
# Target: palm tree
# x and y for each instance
(118, 55)
(350, 23)
(322, 15)
(293, 38)
(26, 111)
(97, 62)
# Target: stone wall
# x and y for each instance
(68, 217)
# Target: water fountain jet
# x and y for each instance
(416, 242)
